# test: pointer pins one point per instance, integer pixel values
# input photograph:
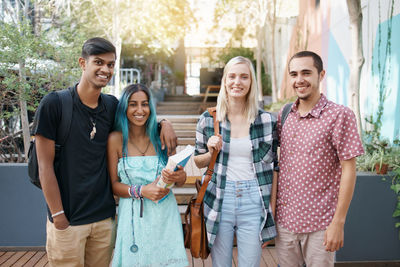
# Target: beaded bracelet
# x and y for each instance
(135, 191)
(129, 191)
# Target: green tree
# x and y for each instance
(156, 25)
(357, 60)
(259, 18)
(31, 63)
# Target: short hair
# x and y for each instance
(316, 58)
(97, 46)
(121, 122)
(251, 108)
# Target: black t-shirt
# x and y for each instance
(83, 177)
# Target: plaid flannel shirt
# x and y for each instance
(264, 141)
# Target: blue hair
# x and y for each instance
(121, 123)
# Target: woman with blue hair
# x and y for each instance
(146, 226)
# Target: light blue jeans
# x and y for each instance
(241, 214)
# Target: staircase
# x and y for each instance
(183, 112)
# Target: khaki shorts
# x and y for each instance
(296, 249)
(81, 245)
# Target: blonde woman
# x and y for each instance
(237, 200)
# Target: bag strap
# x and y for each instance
(65, 97)
(210, 169)
(285, 113)
(110, 104)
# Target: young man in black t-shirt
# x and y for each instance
(79, 197)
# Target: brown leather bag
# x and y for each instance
(195, 226)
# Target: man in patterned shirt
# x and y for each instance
(319, 144)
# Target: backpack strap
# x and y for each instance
(109, 103)
(285, 113)
(65, 97)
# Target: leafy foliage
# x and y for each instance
(30, 66)
(396, 188)
(152, 26)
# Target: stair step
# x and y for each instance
(182, 209)
(182, 134)
(186, 141)
(184, 190)
(184, 126)
(183, 98)
(178, 107)
(178, 112)
(180, 118)
(179, 103)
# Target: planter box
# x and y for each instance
(23, 209)
(369, 232)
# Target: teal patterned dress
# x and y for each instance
(158, 234)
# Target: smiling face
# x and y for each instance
(304, 78)
(238, 81)
(138, 110)
(98, 69)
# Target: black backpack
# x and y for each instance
(285, 113)
(65, 96)
(62, 133)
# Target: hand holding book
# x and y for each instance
(177, 177)
(179, 159)
(153, 192)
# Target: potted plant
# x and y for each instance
(382, 158)
(374, 212)
(396, 188)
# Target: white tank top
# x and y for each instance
(240, 162)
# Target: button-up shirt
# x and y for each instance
(312, 147)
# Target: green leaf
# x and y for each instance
(395, 188)
(396, 213)
(397, 225)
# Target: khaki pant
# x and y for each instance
(293, 250)
(82, 245)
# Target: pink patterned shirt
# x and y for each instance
(312, 147)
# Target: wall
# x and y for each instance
(369, 232)
(23, 209)
(323, 27)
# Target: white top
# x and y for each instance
(240, 162)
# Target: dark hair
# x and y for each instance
(121, 122)
(97, 46)
(316, 58)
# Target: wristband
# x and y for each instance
(129, 192)
(159, 125)
(57, 213)
(140, 192)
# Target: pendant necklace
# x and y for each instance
(143, 153)
(93, 132)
